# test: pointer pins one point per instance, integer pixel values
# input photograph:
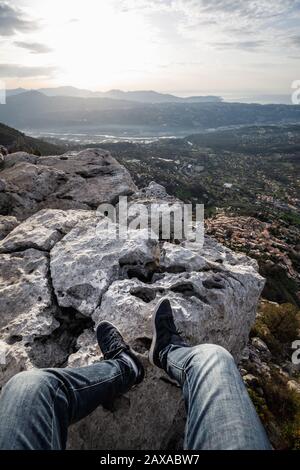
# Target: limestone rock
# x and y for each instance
(26, 185)
(14, 360)
(75, 180)
(7, 224)
(42, 230)
(153, 191)
(94, 177)
(207, 307)
(26, 298)
(19, 157)
(88, 260)
(3, 150)
(148, 417)
(176, 258)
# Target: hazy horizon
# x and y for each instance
(183, 47)
(246, 97)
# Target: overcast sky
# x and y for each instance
(181, 46)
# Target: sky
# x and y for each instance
(220, 47)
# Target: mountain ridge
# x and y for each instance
(139, 96)
(35, 110)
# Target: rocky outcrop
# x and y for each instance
(75, 180)
(63, 271)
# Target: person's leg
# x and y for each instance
(36, 407)
(220, 414)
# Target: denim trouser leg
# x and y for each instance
(220, 413)
(36, 407)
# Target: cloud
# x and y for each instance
(20, 71)
(12, 21)
(242, 45)
(250, 9)
(33, 47)
(295, 41)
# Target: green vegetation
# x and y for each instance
(278, 405)
(279, 409)
(16, 141)
(277, 325)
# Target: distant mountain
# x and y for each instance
(16, 141)
(67, 91)
(35, 110)
(16, 91)
(136, 96)
(154, 97)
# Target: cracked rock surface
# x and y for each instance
(75, 180)
(62, 272)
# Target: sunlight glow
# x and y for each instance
(92, 50)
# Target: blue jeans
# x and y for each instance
(36, 407)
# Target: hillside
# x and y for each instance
(16, 141)
(105, 115)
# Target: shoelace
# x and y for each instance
(112, 340)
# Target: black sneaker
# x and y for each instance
(165, 332)
(112, 345)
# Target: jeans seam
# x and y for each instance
(53, 414)
(96, 383)
(188, 416)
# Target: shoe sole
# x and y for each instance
(151, 351)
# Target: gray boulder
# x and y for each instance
(43, 230)
(7, 224)
(3, 150)
(19, 157)
(26, 304)
(75, 180)
(26, 186)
